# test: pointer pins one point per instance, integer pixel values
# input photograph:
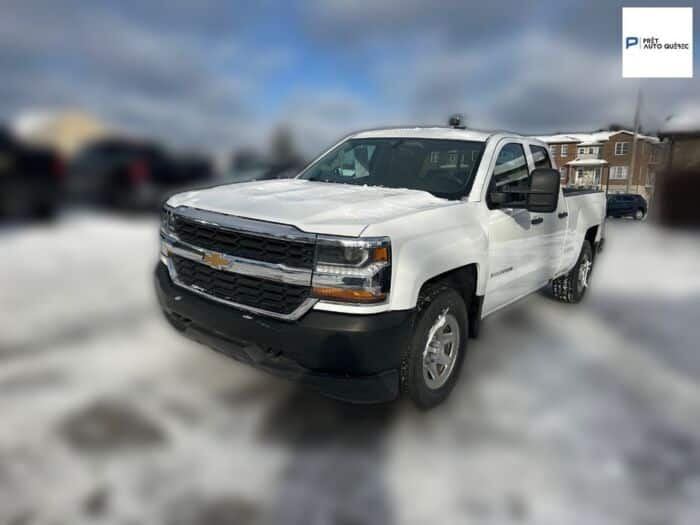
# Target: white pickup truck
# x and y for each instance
(366, 274)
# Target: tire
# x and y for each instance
(436, 304)
(639, 214)
(571, 288)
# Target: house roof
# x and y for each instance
(589, 138)
(587, 162)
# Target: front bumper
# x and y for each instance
(350, 357)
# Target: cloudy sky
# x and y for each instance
(222, 75)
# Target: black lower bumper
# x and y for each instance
(350, 357)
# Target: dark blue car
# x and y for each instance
(627, 205)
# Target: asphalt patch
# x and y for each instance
(106, 425)
(220, 510)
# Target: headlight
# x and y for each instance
(352, 270)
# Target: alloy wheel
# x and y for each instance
(441, 349)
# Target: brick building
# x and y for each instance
(603, 160)
(682, 134)
(680, 183)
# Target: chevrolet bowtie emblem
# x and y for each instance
(215, 260)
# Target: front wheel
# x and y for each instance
(639, 214)
(431, 363)
(571, 288)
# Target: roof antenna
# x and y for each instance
(456, 121)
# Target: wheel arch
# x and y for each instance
(465, 280)
(592, 236)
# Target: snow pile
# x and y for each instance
(571, 414)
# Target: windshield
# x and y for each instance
(444, 168)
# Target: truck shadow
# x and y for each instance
(336, 473)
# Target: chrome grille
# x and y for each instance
(239, 244)
(262, 294)
(262, 267)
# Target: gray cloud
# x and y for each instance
(535, 81)
(318, 120)
(591, 24)
(193, 73)
(151, 79)
(526, 66)
(400, 21)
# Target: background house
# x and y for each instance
(682, 136)
(603, 160)
(681, 179)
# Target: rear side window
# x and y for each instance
(541, 157)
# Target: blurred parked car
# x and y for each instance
(31, 179)
(133, 175)
(264, 172)
(627, 205)
(253, 169)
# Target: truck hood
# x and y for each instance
(315, 207)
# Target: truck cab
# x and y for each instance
(366, 275)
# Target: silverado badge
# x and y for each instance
(215, 260)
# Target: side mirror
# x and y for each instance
(543, 196)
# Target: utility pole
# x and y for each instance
(633, 163)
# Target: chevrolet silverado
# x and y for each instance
(365, 275)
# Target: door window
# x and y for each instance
(510, 175)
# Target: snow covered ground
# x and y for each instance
(564, 414)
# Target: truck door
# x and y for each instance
(513, 258)
(548, 229)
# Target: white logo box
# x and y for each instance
(657, 42)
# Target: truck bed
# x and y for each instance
(570, 192)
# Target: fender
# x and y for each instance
(435, 243)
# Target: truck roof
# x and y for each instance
(428, 133)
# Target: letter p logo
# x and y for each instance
(631, 41)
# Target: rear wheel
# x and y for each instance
(431, 363)
(571, 288)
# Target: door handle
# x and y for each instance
(537, 220)
(563, 215)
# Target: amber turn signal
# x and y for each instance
(347, 295)
(380, 254)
